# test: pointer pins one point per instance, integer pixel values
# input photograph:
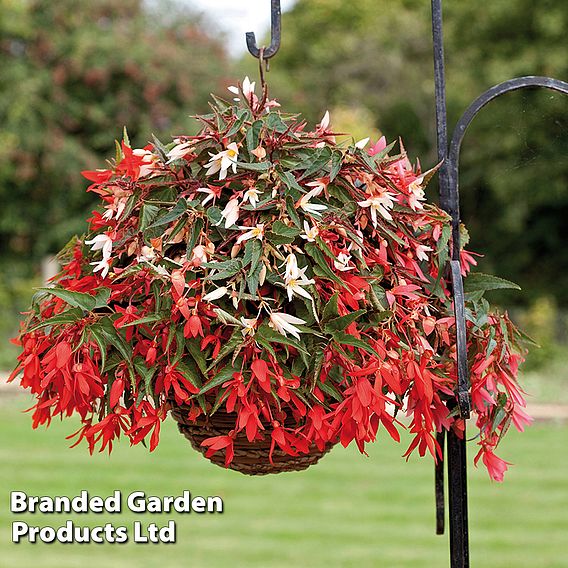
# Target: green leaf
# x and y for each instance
(173, 214)
(253, 279)
(290, 182)
(75, 299)
(253, 135)
(319, 162)
(256, 255)
(190, 374)
(225, 374)
(274, 122)
(255, 166)
(230, 346)
(331, 309)
(226, 318)
(196, 229)
(147, 319)
(292, 212)
(125, 137)
(242, 116)
(330, 390)
(130, 204)
(340, 323)
(384, 152)
(147, 215)
(268, 334)
(346, 339)
(146, 373)
(477, 281)
(320, 260)
(276, 240)
(197, 354)
(336, 163)
(112, 337)
(160, 149)
(283, 230)
(97, 336)
(214, 215)
(102, 298)
(316, 364)
(282, 234)
(225, 269)
(69, 316)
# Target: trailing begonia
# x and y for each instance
(266, 268)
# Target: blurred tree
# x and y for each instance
(376, 56)
(72, 74)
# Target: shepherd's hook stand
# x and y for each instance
(449, 200)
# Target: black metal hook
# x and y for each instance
(275, 29)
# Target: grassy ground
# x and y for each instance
(347, 511)
(549, 382)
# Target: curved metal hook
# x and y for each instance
(450, 197)
(451, 190)
(275, 29)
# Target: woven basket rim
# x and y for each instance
(250, 458)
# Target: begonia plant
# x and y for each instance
(268, 269)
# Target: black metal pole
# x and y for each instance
(457, 492)
(456, 454)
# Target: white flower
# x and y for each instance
(342, 262)
(382, 204)
(115, 209)
(310, 234)
(178, 151)
(284, 323)
(222, 161)
(159, 269)
(296, 281)
(254, 233)
(416, 194)
(291, 263)
(324, 124)
(319, 185)
(247, 86)
(147, 254)
(230, 213)
(198, 255)
(295, 278)
(101, 242)
(103, 265)
(251, 195)
(248, 326)
(421, 252)
(215, 294)
(312, 208)
(362, 143)
(148, 161)
(212, 194)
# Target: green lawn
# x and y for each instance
(347, 511)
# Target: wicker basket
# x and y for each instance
(250, 458)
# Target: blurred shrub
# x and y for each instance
(16, 289)
(73, 73)
(542, 322)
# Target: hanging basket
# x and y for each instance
(250, 458)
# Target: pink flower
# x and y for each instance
(494, 464)
(378, 147)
